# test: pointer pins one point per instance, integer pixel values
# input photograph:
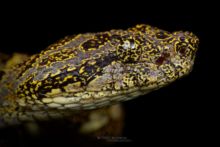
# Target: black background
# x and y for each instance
(181, 113)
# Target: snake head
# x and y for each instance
(96, 69)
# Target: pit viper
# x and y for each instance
(92, 70)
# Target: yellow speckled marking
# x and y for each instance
(93, 70)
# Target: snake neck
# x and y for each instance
(11, 112)
(8, 72)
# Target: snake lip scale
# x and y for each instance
(92, 70)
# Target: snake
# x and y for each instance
(91, 71)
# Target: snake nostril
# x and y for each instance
(182, 50)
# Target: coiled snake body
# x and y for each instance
(92, 70)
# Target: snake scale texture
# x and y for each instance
(92, 70)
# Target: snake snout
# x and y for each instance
(186, 44)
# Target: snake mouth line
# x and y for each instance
(92, 100)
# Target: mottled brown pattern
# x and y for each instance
(93, 70)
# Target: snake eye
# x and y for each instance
(162, 35)
(129, 51)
